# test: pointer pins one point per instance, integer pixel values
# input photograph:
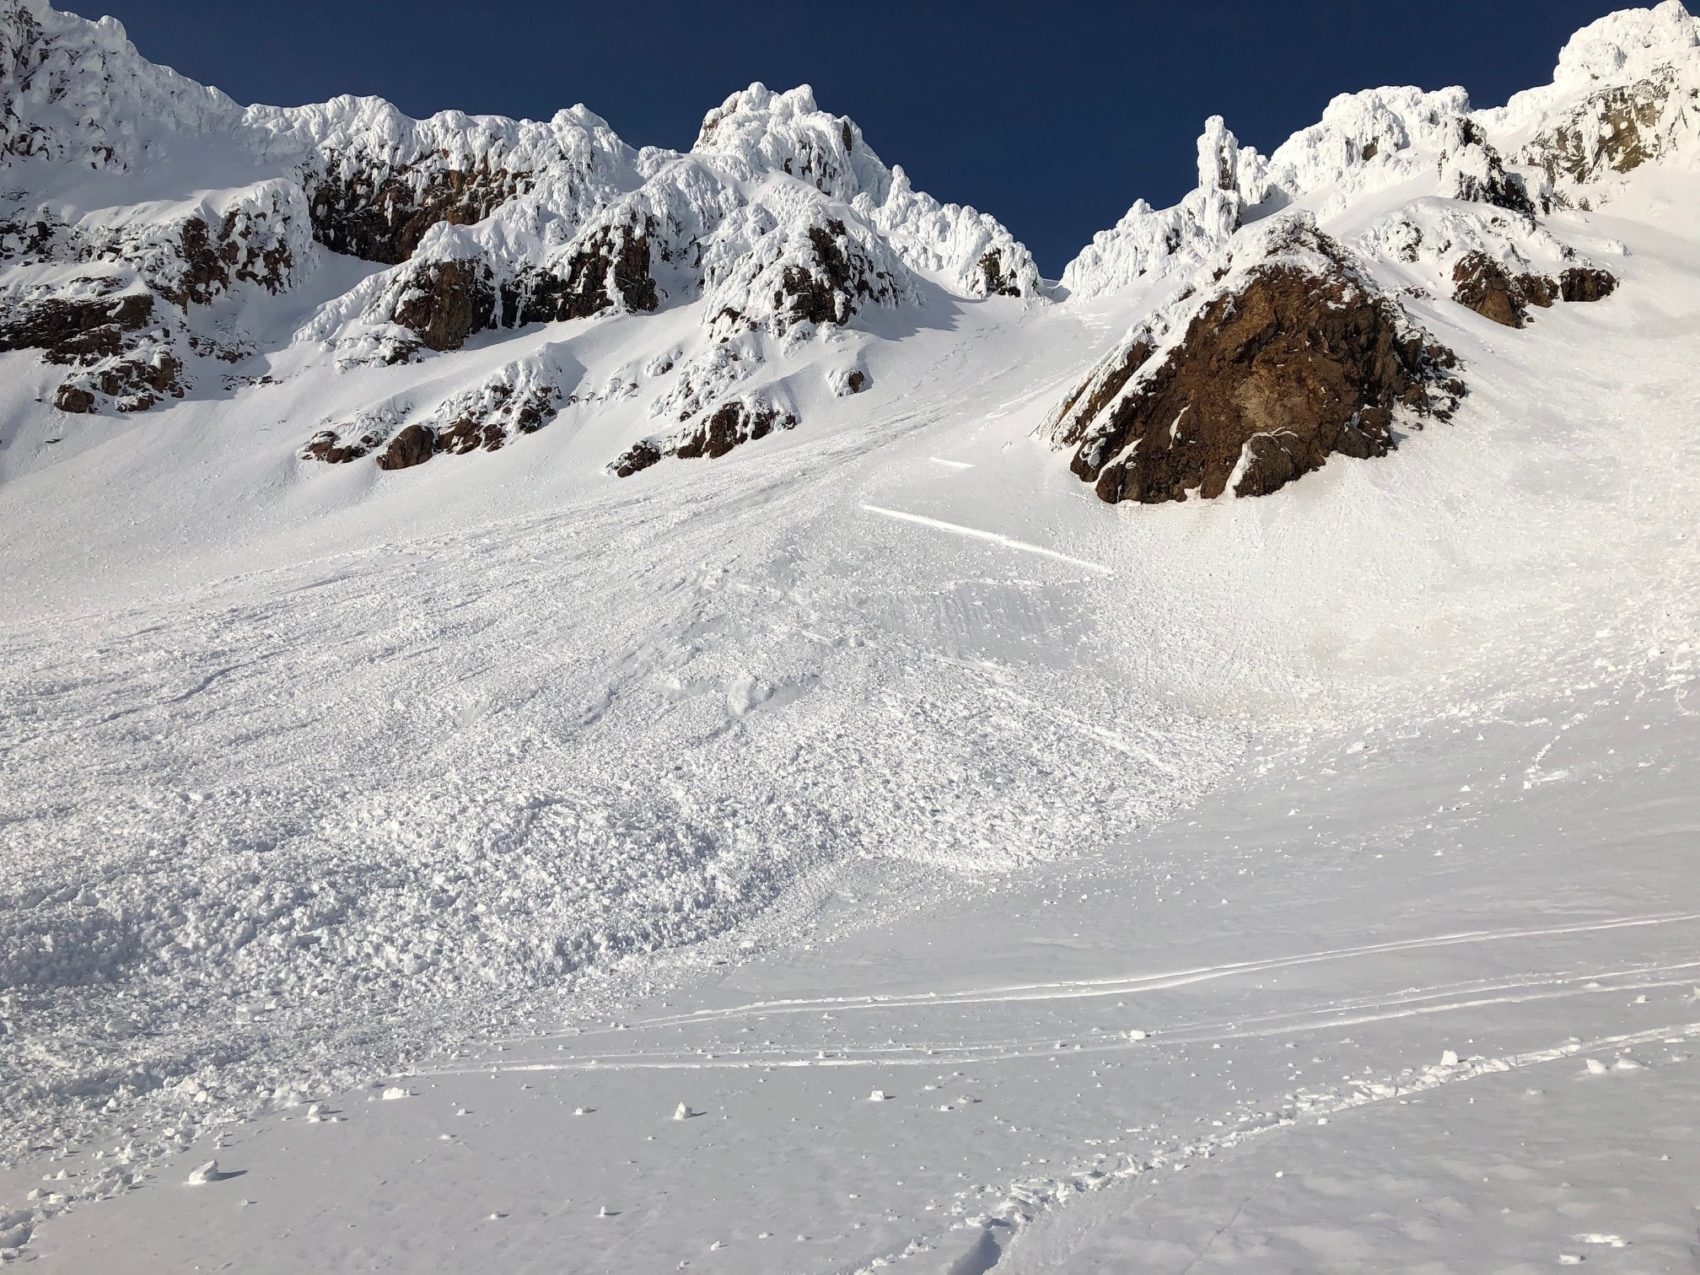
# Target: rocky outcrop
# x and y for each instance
(608, 268)
(69, 330)
(996, 280)
(521, 399)
(1615, 131)
(446, 302)
(120, 354)
(1288, 362)
(243, 249)
(832, 284)
(733, 423)
(1586, 283)
(371, 211)
(845, 381)
(1494, 292)
(1472, 170)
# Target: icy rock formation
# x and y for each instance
(1467, 223)
(1626, 91)
(781, 225)
(1287, 354)
(736, 421)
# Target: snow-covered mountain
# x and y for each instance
(146, 216)
(561, 698)
(1287, 300)
(150, 224)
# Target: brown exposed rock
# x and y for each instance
(73, 398)
(1485, 286)
(105, 336)
(1617, 130)
(1271, 378)
(1586, 283)
(137, 383)
(730, 424)
(481, 419)
(998, 283)
(832, 288)
(205, 273)
(238, 252)
(637, 457)
(76, 331)
(617, 255)
(447, 302)
(380, 214)
(485, 421)
(327, 446)
(414, 445)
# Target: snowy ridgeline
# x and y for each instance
(958, 793)
(780, 222)
(158, 240)
(1288, 305)
(1623, 94)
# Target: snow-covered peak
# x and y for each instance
(1393, 125)
(1622, 94)
(764, 132)
(787, 132)
(1627, 44)
(77, 91)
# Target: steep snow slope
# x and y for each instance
(874, 756)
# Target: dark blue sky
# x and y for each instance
(1051, 116)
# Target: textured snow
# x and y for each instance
(1246, 884)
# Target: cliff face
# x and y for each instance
(1239, 379)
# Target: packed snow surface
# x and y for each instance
(865, 850)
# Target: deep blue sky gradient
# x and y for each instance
(1051, 116)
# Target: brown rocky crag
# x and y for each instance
(380, 213)
(612, 262)
(446, 302)
(1291, 362)
(733, 423)
(1494, 292)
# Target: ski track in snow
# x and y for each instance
(974, 533)
(1414, 1002)
(1143, 982)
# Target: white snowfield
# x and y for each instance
(864, 851)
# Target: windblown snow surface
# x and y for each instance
(867, 850)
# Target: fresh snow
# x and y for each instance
(865, 851)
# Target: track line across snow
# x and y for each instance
(1083, 988)
(995, 537)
